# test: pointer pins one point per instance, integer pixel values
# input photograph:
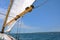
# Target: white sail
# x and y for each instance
(17, 8)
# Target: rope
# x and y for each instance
(19, 24)
(17, 29)
(5, 15)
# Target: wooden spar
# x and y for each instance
(7, 14)
(20, 15)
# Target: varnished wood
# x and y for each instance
(7, 14)
(20, 15)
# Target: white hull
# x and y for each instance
(6, 37)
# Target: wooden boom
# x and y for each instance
(28, 9)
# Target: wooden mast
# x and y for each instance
(7, 14)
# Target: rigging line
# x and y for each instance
(41, 4)
(5, 15)
(19, 24)
(17, 29)
(20, 21)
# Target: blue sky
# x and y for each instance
(43, 19)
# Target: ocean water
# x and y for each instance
(37, 36)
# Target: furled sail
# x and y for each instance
(18, 7)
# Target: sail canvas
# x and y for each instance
(18, 7)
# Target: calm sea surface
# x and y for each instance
(37, 36)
